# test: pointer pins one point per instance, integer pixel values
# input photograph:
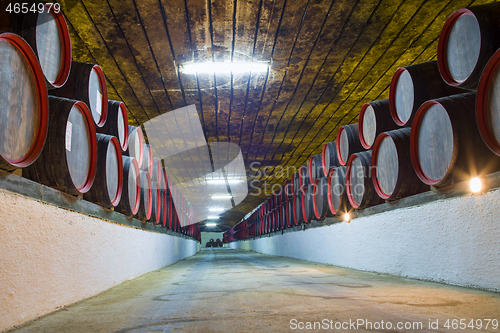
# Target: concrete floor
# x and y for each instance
(224, 290)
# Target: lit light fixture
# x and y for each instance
(222, 196)
(224, 67)
(347, 217)
(216, 209)
(475, 185)
(223, 181)
(212, 217)
(210, 224)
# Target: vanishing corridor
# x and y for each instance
(224, 290)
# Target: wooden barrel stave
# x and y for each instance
(24, 105)
(135, 144)
(458, 153)
(360, 189)
(147, 159)
(488, 104)
(320, 199)
(329, 157)
(73, 174)
(374, 118)
(315, 168)
(155, 204)
(108, 184)
(336, 191)
(413, 85)
(86, 83)
(116, 123)
(47, 34)
(348, 142)
(131, 190)
(146, 202)
(468, 39)
(392, 171)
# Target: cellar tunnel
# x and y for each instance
(221, 166)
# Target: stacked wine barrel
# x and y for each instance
(59, 127)
(439, 126)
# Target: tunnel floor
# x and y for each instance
(224, 290)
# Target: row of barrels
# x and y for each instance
(57, 124)
(440, 125)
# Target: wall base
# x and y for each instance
(52, 257)
(454, 241)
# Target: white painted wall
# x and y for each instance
(206, 236)
(51, 257)
(455, 241)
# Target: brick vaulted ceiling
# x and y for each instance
(327, 57)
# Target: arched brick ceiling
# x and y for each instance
(328, 58)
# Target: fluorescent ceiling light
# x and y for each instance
(216, 209)
(211, 224)
(212, 217)
(223, 181)
(222, 196)
(224, 67)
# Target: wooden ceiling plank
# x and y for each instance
(379, 23)
(350, 34)
(81, 53)
(152, 20)
(131, 25)
(358, 101)
(78, 18)
(245, 33)
(286, 37)
(199, 26)
(270, 18)
(222, 14)
(118, 47)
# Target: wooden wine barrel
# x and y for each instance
(320, 199)
(488, 104)
(116, 123)
(467, 41)
(146, 196)
(315, 168)
(68, 160)
(289, 212)
(338, 202)
(298, 216)
(392, 172)
(24, 106)
(157, 172)
(147, 159)
(295, 182)
(170, 213)
(329, 157)
(86, 83)
(413, 85)
(131, 193)
(288, 189)
(108, 184)
(135, 144)
(445, 142)
(359, 185)
(47, 34)
(284, 221)
(307, 204)
(303, 177)
(164, 207)
(155, 204)
(374, 118)
(348, 142)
